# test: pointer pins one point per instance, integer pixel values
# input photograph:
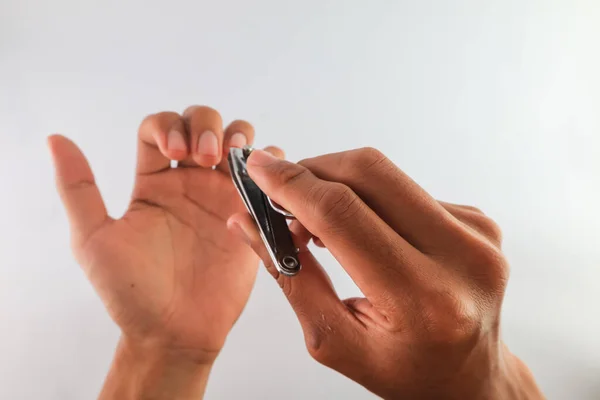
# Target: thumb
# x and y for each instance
(77, 188)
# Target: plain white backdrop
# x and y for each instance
(489, 103)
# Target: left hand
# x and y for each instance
(169, 272)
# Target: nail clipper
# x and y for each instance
(269, 217)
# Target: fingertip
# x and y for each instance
(238, 134)
(51, 143)
(234, 227)
(243, 226)
(177, 155)
(261, 158)
(162, 137)
(233, 221)
(54, 140)
(206, 161)
(62, 148)
(53, 137)
(245, 222)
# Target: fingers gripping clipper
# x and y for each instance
(270, 218)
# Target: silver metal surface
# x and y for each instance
(270, 218)
(280, 209)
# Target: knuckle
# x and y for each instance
(80, 185)
(207, 110)
(473, 209)
(159, 122)
(448, 319)
(150, 123)
(365, 159)
(307, 162)
(271, 269)
(489, 256)
(489, 228)
(286, 284)
(318, 339)
(334, 202)
(488, 266)
(287, 174)
(241, 125)
(197, 108)
(316, 164)
(478, 220)
(448, 332)
(190, 109)
(199, 113)
(369, 154)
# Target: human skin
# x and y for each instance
(171, 274)
(174, 271)
(433, 275)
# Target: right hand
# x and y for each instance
(433, 275)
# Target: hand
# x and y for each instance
(170, 273)
(432, 273)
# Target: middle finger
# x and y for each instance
(205, 130)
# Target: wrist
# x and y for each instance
(505, 377)
(518, 379)
(145, 372)
(494, 373)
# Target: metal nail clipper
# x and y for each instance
(269, 217)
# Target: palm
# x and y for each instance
(172, 248)
(169, 270)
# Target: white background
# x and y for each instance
(490, 103)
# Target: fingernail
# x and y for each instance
(175, 140)
(208, 144)
(261, 158)
(239, 231)
(238, 140)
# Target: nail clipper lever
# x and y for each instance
(271, 220)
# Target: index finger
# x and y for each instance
(372, 253)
